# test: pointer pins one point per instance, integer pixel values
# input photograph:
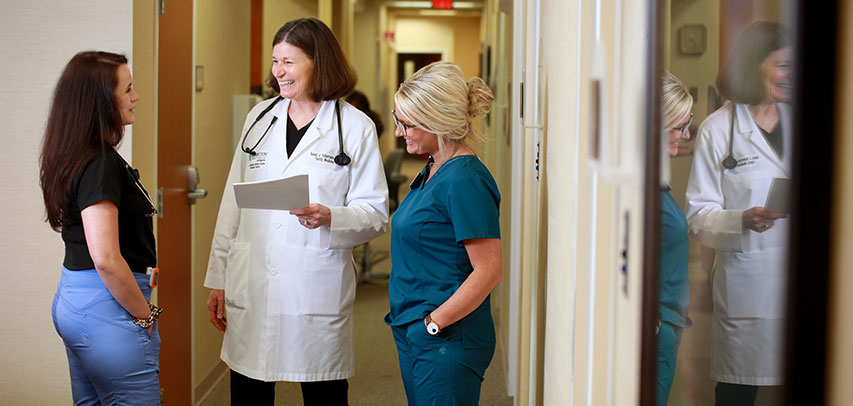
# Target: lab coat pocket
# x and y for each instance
(745, 187)
(321, 281)
(237, 275)
(328, 185)
(742, 285)
(775, 283)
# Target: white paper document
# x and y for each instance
(779, 197)
(275, 194)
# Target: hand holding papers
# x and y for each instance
(274, 194)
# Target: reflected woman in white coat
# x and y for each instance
(740, 148)
(283, 283)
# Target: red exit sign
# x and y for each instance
(442, 4)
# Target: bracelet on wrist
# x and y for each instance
(152, 317)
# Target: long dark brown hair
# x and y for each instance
(84, 120)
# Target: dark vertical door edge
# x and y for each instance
(651, 202)
(815, 33)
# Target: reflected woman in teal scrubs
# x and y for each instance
(674, 293)
(445, 241)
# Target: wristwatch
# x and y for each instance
(431, 326)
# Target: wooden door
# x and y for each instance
(174, 146)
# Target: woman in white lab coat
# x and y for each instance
(283, 283)
(739, 150)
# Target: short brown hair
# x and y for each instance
(333, 76)
(740, 79)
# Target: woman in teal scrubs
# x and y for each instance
(674, 290)
(445, 241)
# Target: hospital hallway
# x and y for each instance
(623, 137)
(377, 375)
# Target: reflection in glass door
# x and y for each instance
(729, 103)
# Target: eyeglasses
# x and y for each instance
(404, 126)
(683, 129)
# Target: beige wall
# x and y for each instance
(496, 155)
(457, 38)
(840, 362)
(559, 47)
(222, 48)
(592, 327)
(365, 54)
(695, 71)
(38, 38)
(145, 81)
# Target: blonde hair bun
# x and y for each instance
(480, 97)
(440, 99)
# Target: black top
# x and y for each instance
(108, 177)
(294, 135)
(774, 138)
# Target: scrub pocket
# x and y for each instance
(478, 328)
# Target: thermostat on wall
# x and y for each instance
(692, 39)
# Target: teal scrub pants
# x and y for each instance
(669, 338)
(441, 370)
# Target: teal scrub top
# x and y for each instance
(429, 261)
(674, 292)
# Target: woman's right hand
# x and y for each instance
(216, 308)
(759, 219)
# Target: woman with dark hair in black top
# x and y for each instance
(94, 198)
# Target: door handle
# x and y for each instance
(193, 193)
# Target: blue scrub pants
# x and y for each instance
(441, 370)
(669, 338)
(112, 361)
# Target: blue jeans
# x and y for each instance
(112, 360)
(446, 369)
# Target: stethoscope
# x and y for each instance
(135, 175)
(730, 162)
(341, 159)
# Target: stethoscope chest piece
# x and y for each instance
(729, 162)
(342, 159)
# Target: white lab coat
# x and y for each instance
(748, 277)
(289, 290)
